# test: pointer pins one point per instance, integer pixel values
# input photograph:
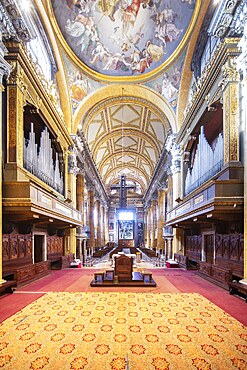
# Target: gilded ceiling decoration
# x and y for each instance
(124, 38)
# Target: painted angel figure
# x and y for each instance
(169, 91)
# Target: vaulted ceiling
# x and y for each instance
(126, 137)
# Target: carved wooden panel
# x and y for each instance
(41, 267)
(193, 247)
(241, 248)
(31, 272)
(24, 273)
(54, 244)
(6, 247)
(234, 246)
(226, 246)
(16, 246)
(221, 274)
(218, 245)
(205, 268)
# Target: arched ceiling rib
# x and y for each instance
(118, 154)
(125, 135)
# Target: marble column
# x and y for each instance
(166, 248)
(170, 249)
(106, 225)
(149, 227)
(153, 223)
(145, 226)
(102, 225)
(161, 218)
(4, 71)
(91, 218)
(98, 221)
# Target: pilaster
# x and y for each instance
(176, 174)
(154, 223)
(80, 187)
(15, 104)
(230, 87)
(145, 226)
(161, 217)
(91, 217)
(102, 223)
(98, 222)
(149, 227)
(106, 225)
(72, 174)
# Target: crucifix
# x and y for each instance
(122, 187)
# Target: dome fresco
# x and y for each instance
(124, 37)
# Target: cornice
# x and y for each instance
(87, 160)
(161, 169)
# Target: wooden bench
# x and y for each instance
(7, 286)
(236, 288)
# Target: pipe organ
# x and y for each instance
(206, 164)
(40, 161)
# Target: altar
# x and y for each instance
(123, 274)
(120, 254)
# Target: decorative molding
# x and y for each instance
(14, 27)
(72, 162)
(176, 159)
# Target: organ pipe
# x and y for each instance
(40, 162)
(206, 164)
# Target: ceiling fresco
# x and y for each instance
(124, 37)
(80, 85)
(168, 83)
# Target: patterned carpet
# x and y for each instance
(118, 331)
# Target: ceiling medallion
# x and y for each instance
(124, 39)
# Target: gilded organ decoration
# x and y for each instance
(126, 37)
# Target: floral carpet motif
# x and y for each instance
(119, 331)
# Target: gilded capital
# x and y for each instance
(16, 76)
(229, 73)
